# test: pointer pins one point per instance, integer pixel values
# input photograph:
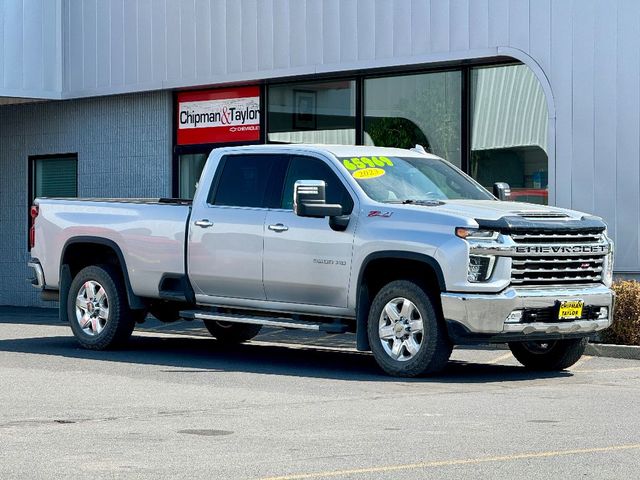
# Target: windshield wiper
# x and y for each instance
(411, 201)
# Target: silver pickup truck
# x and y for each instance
(395, 245)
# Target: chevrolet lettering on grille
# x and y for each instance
(562, 249)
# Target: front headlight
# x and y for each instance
(480, 268)
(476, 234)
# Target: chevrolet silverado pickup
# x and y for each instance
(396, 245)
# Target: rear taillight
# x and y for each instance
(32, 231)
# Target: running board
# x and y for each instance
(335, 327)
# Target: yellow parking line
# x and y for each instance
(467, 461)
(499, 359)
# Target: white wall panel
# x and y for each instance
(401, 27)
(459, 25)
(145, 42)
(365, 41)
(330, 31)
(349, 23)
(382, 29)
(478, 24)
(420, 27)
(187, 42)
(628, 137)
(440, 26)
(582, 168)
(519, 24)
(116, 17)
(605, 112)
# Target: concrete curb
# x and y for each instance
(629, 352)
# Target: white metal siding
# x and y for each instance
(30, 48)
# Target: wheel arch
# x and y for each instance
(75, 257)
(375, 272)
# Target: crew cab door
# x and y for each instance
(305, 260)
(226, 231)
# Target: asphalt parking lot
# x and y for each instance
(177, 404)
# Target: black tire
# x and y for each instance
(549, 355)
(113, 330)
(434, 347)
(232, 332)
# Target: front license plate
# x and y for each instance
(570, 310)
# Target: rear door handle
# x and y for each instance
(278, 227)
(204, 223)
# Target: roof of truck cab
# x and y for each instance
(340, 150)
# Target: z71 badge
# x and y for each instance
(378, 213)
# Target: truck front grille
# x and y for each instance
(557, 269)
(570, 238)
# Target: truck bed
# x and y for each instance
(149, 233)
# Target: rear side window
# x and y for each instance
(310, 168)
(248, 180)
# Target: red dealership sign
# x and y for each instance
(219, 116)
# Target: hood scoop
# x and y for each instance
(542, 215)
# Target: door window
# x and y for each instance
(309, 168)
(249, 180)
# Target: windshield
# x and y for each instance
(412, 179)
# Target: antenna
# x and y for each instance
(419, 148)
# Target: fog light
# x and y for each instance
(514, 317)
(603, 313)
(480, 268)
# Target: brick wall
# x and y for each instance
(124, 150)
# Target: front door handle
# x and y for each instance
(278, 227)
(204, 223)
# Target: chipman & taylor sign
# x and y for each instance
(219, 116)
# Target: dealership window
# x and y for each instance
(312, 112)
(191, 166)
(509, 122)
(402, 111)
(54, 176)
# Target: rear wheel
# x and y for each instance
(97, 308)
(406, 337)
(232, 332)
(549, 354)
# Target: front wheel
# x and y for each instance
(97, 308)
(406, 335)
(232, 332)
(549, 354)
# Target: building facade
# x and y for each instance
(126, 98)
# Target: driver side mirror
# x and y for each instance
(501, 190)
(309, 200)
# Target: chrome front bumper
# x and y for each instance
(487, 313)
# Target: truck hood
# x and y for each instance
(494, 210)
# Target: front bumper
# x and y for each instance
(486, 315)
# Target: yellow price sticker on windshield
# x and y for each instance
(358, 163)
(368, 173)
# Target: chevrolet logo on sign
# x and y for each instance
(560, 249)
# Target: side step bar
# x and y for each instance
(335, 327)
